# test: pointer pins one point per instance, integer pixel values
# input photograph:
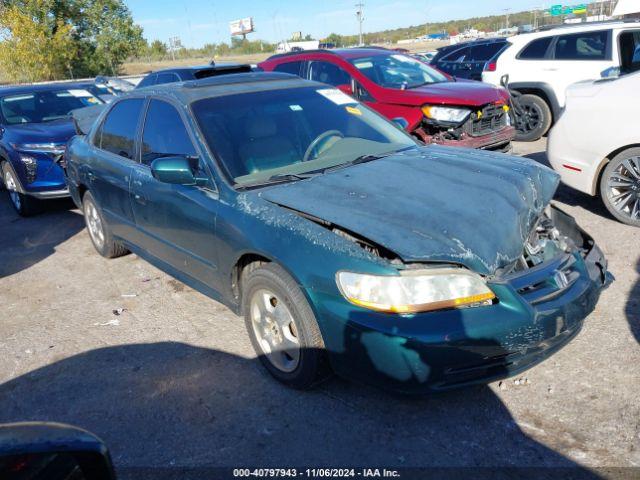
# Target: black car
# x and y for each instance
(468, 59)
(183, 74)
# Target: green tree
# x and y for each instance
(158, 49)
(336, 39)
(102, 32)
(34, 45)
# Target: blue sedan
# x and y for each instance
(344, 244)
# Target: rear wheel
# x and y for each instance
(620, 187)
(534, 119)
(282, 326)
(23, 204)
(99, 230)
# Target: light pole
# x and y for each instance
(360, 17)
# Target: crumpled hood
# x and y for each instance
(57, 131)
(464, 93)
(433, 203)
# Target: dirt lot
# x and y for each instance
(172, 380)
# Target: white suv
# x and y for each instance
(541, 66)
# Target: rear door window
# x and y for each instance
(164, 134)
(536, 50)
(148, 80)
(483, 53)
(118, 131)
(289, 67)
(582, 46)
(458, 56)
(167, 78)
(329, 73)
(629, 47)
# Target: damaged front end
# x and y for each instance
(541, 301)
(487, 127)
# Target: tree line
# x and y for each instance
(59, 39)
(56, 39)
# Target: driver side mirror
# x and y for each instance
(43, 450)
(175, 170)
(346, 88)
(610, 72)
(400, 122)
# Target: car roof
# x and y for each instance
(40, 87)
(225, 85)
(567, 29)
(480, 41)
(346, 53)
(195, 68)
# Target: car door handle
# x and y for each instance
(140, 199)
(550, 69)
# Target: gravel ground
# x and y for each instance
(170, 378)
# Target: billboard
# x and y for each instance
(242, 26)
(556, 10)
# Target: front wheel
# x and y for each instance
(23, 204)
(534, 118)
(620, 187)
(282, 326)
(99, 230)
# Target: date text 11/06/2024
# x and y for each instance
(316, 472)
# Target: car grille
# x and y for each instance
(537, 286)
(492, 118)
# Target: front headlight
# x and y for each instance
(416, 290)
(30, 167)
(446, 114)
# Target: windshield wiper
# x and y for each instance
(291, 176)
(357, 160)
(278, 178)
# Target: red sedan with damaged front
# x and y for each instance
(433, 106)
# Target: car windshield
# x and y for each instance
(397, 71)
(44, 106)
(295, 131)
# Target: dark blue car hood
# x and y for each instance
(57, 131)
(432, 204)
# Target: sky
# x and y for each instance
(197, 22)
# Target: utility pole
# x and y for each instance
(506, 19)
(360, 17)
(174, 44)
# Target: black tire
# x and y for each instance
(536, 118)
(104, 245)
(312, 366)
(25, 205)
(627, 207)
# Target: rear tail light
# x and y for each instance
(490, 67)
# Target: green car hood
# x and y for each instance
(434, 204)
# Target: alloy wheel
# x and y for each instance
(12, 187)
(623, 188)
(530, 118)
(275, 329)
(94, 224)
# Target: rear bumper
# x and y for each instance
(578, 165)
(437, 351)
